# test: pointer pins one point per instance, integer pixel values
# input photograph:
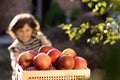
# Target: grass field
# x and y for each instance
(5, 67)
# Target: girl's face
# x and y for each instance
(24, 34)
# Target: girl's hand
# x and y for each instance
(40, 34)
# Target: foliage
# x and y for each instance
(55, 15)
(111, 62)
(99, 5)
(75, 13)
(4, 52)
(108, 31)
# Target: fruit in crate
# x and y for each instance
(44, 49)
(69, 52)
(51, 67)
(42, 61)
(25, 59)
(65, 62)
(80, 63)
(31, 68)
(54, 54)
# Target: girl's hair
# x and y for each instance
(19, 21)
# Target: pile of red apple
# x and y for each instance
(50, 58)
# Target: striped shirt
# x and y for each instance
(33, 44)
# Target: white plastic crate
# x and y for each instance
(83, 74)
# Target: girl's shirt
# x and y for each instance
(34, 43)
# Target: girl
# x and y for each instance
(25, 30)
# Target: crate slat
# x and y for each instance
(81, 74)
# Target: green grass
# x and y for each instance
(4, 51)
(5, 66)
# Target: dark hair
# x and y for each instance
(21, 22)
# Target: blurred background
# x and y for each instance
(103, 60)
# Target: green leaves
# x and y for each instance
(109, 19)
(75, 32)
(100, 6)
(90, 4)
(107, 32)
(102, 10)
(85, 0)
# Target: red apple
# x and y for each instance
(69, 52)
(65, 62)
(32, 52)
(51, 67)
(31, 68)
(25, 59)
(44, 49)
(80, 63)
(42, 61)
(54, 54)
